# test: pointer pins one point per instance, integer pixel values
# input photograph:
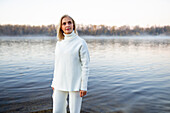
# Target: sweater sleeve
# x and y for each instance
(52, 84)
(85, 60)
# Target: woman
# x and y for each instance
(71, 68)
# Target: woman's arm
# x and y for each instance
(52, 84)
(84, 60)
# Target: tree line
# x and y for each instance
(50, 30)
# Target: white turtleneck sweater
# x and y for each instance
(71, 67)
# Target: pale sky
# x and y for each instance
(108, 12)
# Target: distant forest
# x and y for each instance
(50, 30)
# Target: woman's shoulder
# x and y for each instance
(81, 40)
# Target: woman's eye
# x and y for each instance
(64, 23)
(69, 22)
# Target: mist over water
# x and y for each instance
(127, 74)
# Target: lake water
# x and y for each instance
(127, 74)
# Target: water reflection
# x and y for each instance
(126, 75)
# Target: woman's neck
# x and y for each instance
(69, 35)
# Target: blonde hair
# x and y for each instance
(60, 32)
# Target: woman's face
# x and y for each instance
(67, 25)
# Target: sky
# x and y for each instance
(143, 13)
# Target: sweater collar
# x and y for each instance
(69, 36)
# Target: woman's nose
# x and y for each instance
(67, 24)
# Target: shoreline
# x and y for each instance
(43, 111)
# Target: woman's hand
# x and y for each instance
(82, 93)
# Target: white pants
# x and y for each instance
(60, 101)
